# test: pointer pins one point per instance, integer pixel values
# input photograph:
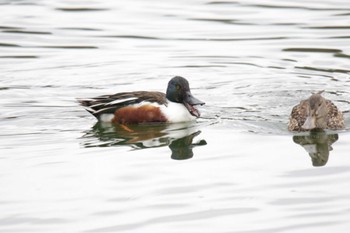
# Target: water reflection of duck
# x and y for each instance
(179, 137)
(315, 112)
(177, 105)
(317, 144)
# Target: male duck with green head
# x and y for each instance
(177, 105)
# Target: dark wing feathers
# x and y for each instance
(110, 103)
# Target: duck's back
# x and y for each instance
(110, 103)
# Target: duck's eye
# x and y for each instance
(178, 87)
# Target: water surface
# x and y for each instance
(237, 169)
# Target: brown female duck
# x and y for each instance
(315, 112)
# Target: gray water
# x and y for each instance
(235, 170)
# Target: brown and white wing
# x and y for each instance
(335, 116)
(110, 103)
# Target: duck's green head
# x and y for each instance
(316, 112)
(179, 91)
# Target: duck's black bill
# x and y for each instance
(190, 101)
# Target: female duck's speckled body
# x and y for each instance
(315, 112)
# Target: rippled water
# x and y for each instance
(237, 169)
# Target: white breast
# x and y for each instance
(176, 112)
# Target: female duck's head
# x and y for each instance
(316, 112)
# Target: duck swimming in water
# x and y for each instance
(316, 112)
(176, 105)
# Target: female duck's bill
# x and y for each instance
(177, 105)
(316, 112)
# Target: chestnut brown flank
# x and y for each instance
(134, 115)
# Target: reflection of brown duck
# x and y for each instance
(315, 112)
(179, 137)
(317, 144)
(133, 134)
